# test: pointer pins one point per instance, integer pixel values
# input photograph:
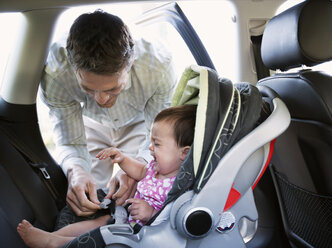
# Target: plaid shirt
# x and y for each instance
(149, 90)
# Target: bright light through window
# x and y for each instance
(8, 26)
(288, 4)
(219, 42)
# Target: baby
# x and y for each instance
(171, 136)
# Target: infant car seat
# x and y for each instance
(211, 198)
(302, 167)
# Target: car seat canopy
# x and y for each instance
(225, 113)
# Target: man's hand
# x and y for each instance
(121, 187)
(80, 186)
(140, 209)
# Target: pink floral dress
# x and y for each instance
(153, 190)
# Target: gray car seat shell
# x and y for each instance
(201, 218)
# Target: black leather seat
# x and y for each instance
(24, 192)
(302, 161)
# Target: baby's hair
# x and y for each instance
(183, 119)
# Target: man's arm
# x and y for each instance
(73, 156)
(66, 116)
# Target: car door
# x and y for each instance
(165, 24)
(21, 155)
(170, 16)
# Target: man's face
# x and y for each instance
(105, 89)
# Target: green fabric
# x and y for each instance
(187, 90)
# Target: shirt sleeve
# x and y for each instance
(66, 115)
(160, 100)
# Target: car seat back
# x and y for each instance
(301, 167)
(24, 193)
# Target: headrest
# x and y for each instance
(301, 35)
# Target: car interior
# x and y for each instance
(300, 166)
(270, 188)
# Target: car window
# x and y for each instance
(160, 33)
(9, 23)
(218, 41)
(287, 4)
(326, 67)
(163, 33)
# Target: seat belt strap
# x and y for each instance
(39, 166)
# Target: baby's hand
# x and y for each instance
(105, 153)
(140, 209)
(112, 153)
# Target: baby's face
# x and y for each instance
(164, 149)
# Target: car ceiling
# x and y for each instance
(28, 5)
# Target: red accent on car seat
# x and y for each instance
(233, 197)
(266, 164)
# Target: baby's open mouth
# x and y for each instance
(153, 155)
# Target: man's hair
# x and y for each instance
(183, 119)
(99, 42)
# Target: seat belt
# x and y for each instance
(39, 166)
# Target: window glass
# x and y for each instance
(219, 40)
(326, 67)
(288, 4)
(9, 23)
(216, 30)
(160, 33)
(163, 33)
(125, 11)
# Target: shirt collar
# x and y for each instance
(131, 73)
(129, 80)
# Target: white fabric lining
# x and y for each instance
(200, 122)
(216, 140)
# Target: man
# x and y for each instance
(103, 90)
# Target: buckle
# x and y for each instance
(45, 173)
